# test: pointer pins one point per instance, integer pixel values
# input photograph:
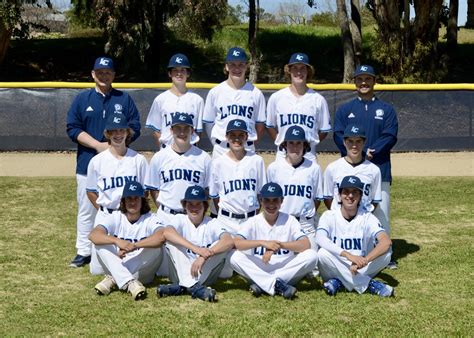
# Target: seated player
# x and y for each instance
(274, 238)
(125, 265)
(353, 245)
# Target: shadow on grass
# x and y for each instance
(401, 249)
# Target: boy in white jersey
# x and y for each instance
(299, 105)
(125, 265)
(178, 99)
(354, 164)
(235, 98)
(197, 247)
(300, 179)
(274, 238)
(353, 245)
(175, 168)
(236, 178)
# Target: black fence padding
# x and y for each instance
(35, 119)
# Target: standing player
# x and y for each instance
(178, 99)
(85, 126)
(298, 105)
(353, 164)
(300, 179)
(353, 245)
(176, 168)
(236, 178)
(380, 122)
(274, 238)
(115, 238)
(235, 98)
(197, 247)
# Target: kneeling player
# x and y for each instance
(197, 247)
(274, 238)
(353, 245)
(115, 244)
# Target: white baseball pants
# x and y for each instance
(382, 212)
(86, 214)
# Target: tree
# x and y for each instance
(254, 6)
(470, 14)
(452, 27)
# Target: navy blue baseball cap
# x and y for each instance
(133, 188)
(354, 131)
(236, 125)
(104, 62)
(364, 69)
(182, 118)
(351, 182)
(271, 190)
(236, 54)
(195, 193)
(116, 121)
(295, 133)
(179, 60)
(299, 58)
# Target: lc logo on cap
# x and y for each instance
(117, 119)
(104, 62)
(352, 180)
(178, 60)
(295, 132)
(271, 189)
(133, 187)
(354, 129)
(236, 53)
(194, 192)
(299, 57)
(182, 117)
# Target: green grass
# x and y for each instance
(432, 234)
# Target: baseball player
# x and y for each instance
(236, 178)
(197, 247)
(178, 99)
(353, 245)
(380, 122)
(298, 105)
(125, 264)
(175, 168)
(85, 126)
(353, 164)
(235, 98)
(273, 237)
(300, 179)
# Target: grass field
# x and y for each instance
(433, 231)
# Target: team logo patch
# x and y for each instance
(355, 129)
(379, 114)
(182, 118)
(117, 120)
(236, 53)
(364, 68)
(194, 192)
(237, 123)
(299, 57)
(178, 59)
(104, 62)
(118, 108)
(133, 187)
(295, 132)
(271, 189)
(352, 180)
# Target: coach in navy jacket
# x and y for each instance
(381, 126)
(85, 126)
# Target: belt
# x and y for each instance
(238, 216)
(171, 211)
(107, 209)
(249, 143)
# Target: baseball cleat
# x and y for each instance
(202, 292)
(79, 261)
(255, 290)
(105, 286)
(136, 289)
(380, 289)
(284, 289)
(332, 286)
(392, 265)
(169, 290)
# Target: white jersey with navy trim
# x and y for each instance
(166, 105)
(309, 111)
(285, 229)
(357, 237)
(172, 173)
(366, 171)
(204, 235)
(107, 175)
(224, 104)
(301, 186)
(237, 183)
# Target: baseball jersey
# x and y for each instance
(224, 104)
(107, 175)
(237, 183)
(285, 229)
(172, 173)
(90, 111)
(309, 111)
(204, 235)
(366, 171)
(380, 122)
(117, 224)
(168, 104)
(301, 186)
(356, 237)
